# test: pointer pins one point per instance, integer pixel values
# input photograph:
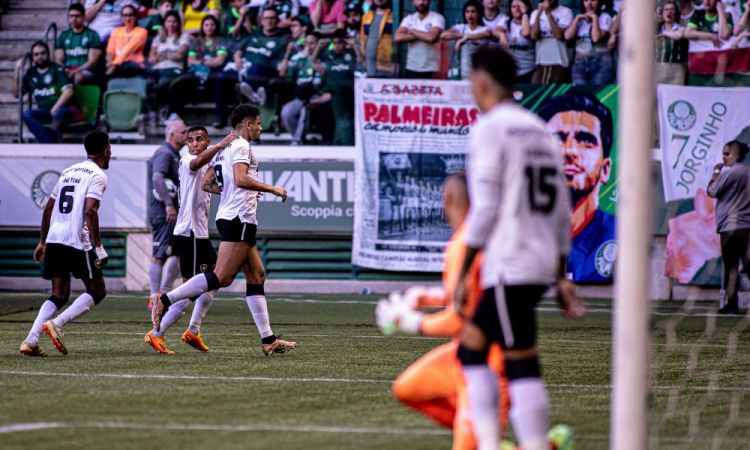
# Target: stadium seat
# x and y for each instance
(122, 109)
(139, 85)
(87, 97)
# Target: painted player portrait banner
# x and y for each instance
(411, 135)
(28, 183)
(695, 124)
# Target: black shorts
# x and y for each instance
(236, 231)
(509, 318)
(60, 261)
(161, 233)
(196, 255)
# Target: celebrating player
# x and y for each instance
(190, 242)
(519, 218)
(70, 222)
(233, 174)
(433, 385)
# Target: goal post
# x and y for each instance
(630, 340)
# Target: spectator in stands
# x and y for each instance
(548, 25)
(206, 58)
(518, 36)
(103, 16)
(376, 39)
(743, 25)
(300, 28)
(154, 23)
(671, 54)
(52, 91)
(168, 57)
(238, 19)
(338, 67)
(468, 36)
(687, 9)
(421, 30)
(593, 63)
(353, 20)
(328, 15)
(78, 48)
(308, 87)
(256, 60)
(286, 9)
(193, 12)
(730, 186)
(125, 47)
(712, 23)
(492, 18)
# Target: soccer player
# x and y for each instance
(70, 223)
(519, 219)
(190, 241)
(233, 174)
(433, 384)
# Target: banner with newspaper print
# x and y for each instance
(410, 136)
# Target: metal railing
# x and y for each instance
(21, 74)
(53, 28)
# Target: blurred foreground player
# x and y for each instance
(70, 223)
(233, 174)
(519, 219)
(433, 385)
(190, 242)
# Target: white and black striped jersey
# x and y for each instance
(195, 204)
(77, 183)
(236, 201)
(519, 200)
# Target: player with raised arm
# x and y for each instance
(70, 223)
(233, 174)
(519, 219)
(190, 241)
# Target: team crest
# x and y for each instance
(42, 187)
(243, 152)
(271, 44)
(48, 78)
(347, 57)
(84, 41)
(203, 268)
(681, 115)
(605, 258)
(98, 263)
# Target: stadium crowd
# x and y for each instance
(295, 58)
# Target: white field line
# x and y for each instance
(20, 427)
(33, 426)
(325, 380)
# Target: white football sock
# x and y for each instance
(79, 307)
(529, 413)
(189, 289)
(259, 309)
(481, 386)
(171, 270)
(46, 312)
(173, 314)
(200, 310)
(154, 277)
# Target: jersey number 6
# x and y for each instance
(65, 204)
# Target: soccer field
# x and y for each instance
(112, 390)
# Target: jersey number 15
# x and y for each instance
(541, 188)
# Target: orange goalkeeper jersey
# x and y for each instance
(447, 323)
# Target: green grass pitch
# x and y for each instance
(333, 392)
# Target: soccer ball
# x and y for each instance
(171, 189)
